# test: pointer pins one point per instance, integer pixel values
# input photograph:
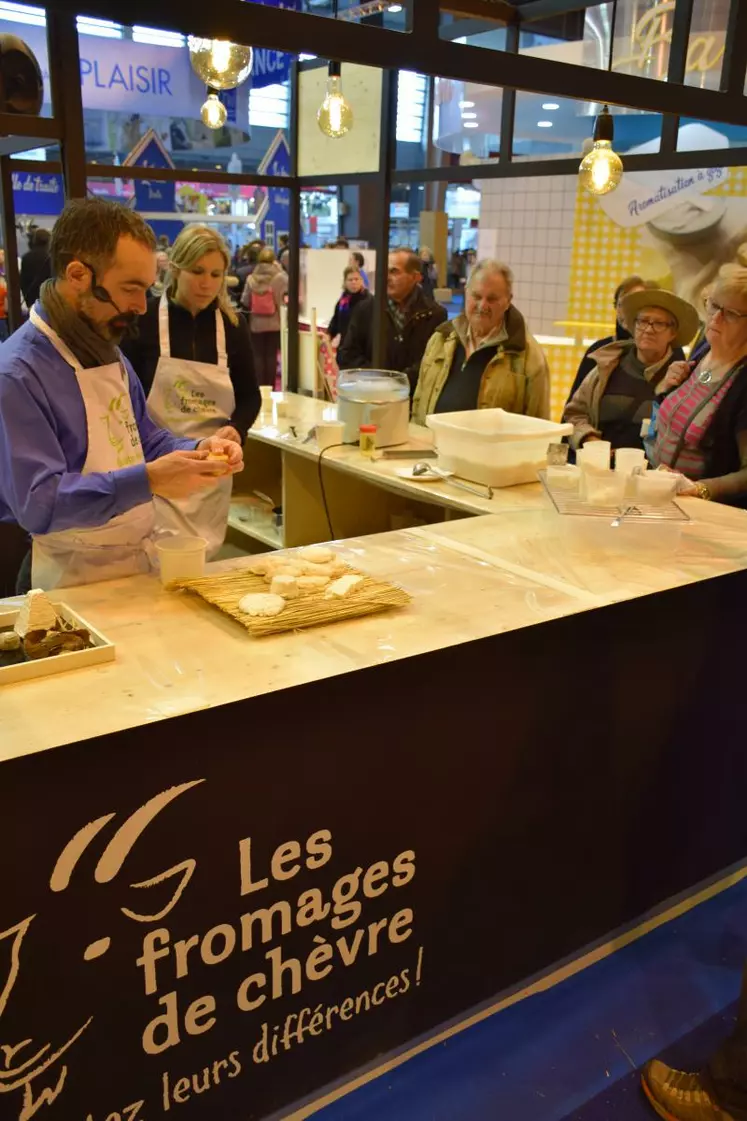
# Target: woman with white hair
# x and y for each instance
(701, 427)
(194, 359)
(486, 358)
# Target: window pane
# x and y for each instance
(559, 128)
(467, 121)
(705, 55)
(580, 37)
(238, 213)
(38, 195)
(320, 216)
(140, 78)
(700, 136)
(356, 150)
(390, 14)
(643, 35)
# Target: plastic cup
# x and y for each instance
(629, 460)
(595, 454)
(329, 434)
(181, 558)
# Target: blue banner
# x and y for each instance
(37, 194)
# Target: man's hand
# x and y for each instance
(224, 446)
(180, 474)
(677, 373)
(229, 433)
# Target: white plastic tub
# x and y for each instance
(494, 447)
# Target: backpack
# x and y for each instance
(263, 303)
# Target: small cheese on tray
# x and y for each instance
(316, 554)
(261, 604)
(285, 586)
(36, 614)
(342, 587)
(312, 583)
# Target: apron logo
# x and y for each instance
(121, 430)
(186, 401)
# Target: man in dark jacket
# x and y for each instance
(411, 320)
(35, 266)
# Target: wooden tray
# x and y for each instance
(311, 609)
(102, 649)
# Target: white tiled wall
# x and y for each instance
(528, 223)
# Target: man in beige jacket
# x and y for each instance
(485, 359)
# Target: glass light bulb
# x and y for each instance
(601, 169)
(220, 64)
(335, 117)
(213, 112)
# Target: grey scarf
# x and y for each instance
(88, 346)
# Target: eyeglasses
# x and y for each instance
(730, 314)
(655, 325)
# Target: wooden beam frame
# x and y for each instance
(427, 53)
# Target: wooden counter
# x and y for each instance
(236, 871)
(362, 496)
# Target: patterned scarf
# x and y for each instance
(88, 346)
(400, 313)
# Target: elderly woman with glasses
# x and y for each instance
(701, 427)
(630, 374)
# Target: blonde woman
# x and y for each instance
(194, 358)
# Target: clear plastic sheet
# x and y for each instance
(176, 654)
(469, 579)
(600, 560)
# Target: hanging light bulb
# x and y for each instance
(335, 117)
(213, 111)
(602, 169)
(220, 64)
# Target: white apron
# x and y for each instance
(193, 399)
(122, 547)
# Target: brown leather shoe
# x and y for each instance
(677, 1096)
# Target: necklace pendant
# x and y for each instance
(705, 377)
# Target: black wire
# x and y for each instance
(321, 484)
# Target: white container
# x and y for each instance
(181, 558)
(656, 488)
(493, 447)
(566, 478)
(603, 488)
(380, 397)
(329, 433)
(102, 650)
